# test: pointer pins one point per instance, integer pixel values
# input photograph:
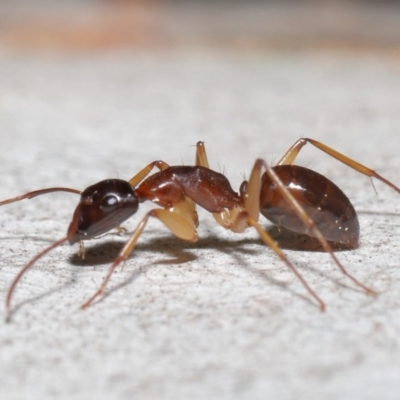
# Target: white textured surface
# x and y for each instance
(221, 319)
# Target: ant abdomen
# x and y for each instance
(329, 208)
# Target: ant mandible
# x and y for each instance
(293, 197)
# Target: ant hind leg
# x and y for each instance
(290, 156)
(309, 223)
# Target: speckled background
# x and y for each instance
(222, 318)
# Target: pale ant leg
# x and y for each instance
(267, 239)
(309, 223)
(121, 230)
(238, 219)
(225, 217)
(181, 225)
(251, 193)
(201, 155)
(187, 210)
(242, 218)
(291, 154)
(161, 165)
(249, 200)
(82, 250)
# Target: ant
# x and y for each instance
(293, 197)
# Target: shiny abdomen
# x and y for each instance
(329, 208)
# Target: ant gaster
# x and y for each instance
(293, 197)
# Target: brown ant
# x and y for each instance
(290, 196)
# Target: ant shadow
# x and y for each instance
(181, 252)
(70, 281)
(288, 240)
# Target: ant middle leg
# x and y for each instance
(201, 155)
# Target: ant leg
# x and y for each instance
(82, 250)
(161, 165)
(249, 200)
(230, 219)
(201, 155)
(187, 210)
(291, 154)
(35, 193)
(267, 239)
(309, 223)
(251, 194)
(201, 160)
(225, 217)
(238, 219)
(179, 224)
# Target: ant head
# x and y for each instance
(103, 206)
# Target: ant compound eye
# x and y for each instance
(109, 203)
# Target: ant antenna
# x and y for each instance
(24, 269)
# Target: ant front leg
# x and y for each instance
(290, 156)
(179, 220)
(161, 165)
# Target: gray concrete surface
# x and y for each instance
(223, 318)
